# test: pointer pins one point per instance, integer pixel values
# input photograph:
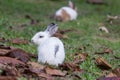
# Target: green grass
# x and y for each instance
(90, 17)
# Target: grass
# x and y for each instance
(89, 20)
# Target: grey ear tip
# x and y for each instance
(53, 24)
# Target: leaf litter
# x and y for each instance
(80, 57)
(102, 63)
(19, 54)
(62, 33)
(98, 2)
(114, 75)
(16, 63)
(104, 51)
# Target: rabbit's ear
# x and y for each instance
(52, 28)
(70, 4)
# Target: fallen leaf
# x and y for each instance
(63, 36)
(38, 69)
(54, 72)
(12, 61)
(19, 54)
(65, 31)
(77, 75)
(108, 78)
(95, 1)
(19, 41)
(117, 57)
(5, 47)
(45, 76)
(35, 65)
(2, 66)
(8, 78)
(40, 74)
(117, 71)
(9, 70)
(33, 55)
(108, 50)
(3, 52)
(105, 51)
(80, 57)
(114, 73)
(61, 33)
(70, 67)
(102, 64)
(111, 75)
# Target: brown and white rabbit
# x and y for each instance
(66, 13)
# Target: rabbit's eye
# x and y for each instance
(41, 36)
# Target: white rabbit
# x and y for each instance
(50, 49)
(66, 13)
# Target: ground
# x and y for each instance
(14, 24)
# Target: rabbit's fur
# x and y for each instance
(50, 49)
(66, 13)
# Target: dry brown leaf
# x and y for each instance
(35, 65)
(19, 41)
(16, 53)
(70, 66)
(105, 51)
(38, 69)
(19, 54)
(59, 35)
(95, 1)
(102, 64)
(54, 72)
(3, 52)
(8, 78)
(108, 50)
(108, 78)
(80, 57)
(5, 47)
(9, 70)
(111, 75)
(45, 76)
(65, 31)
(114, 73)
(11, 61)
(117, 72)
